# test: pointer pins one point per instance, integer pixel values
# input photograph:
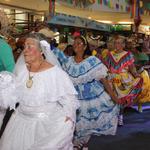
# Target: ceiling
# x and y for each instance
(43, 5)
(113, 17)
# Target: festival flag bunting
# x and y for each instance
(105, 2)
(52, 7)
(135, 9)
(100, 1)
(69, 1)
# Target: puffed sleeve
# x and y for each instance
(62, 58)
(70, 104)
(68, 99)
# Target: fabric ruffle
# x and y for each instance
(9, 95)
(51, 84)
(98, 119)
(118, 66)
(86, 71)
(144, 96)
(135, 91)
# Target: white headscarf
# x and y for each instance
(50, 57)
(20, 67)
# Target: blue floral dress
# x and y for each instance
(97, 113)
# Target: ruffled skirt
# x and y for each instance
(144, 96)
(98, 116)
(36, 129)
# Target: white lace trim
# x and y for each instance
(8, 90)
(96, 73)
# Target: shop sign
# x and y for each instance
(62, 19)
(119, 27)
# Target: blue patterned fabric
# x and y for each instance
(97, 113)
(75, 70)
(90, 90)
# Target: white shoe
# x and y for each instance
(120, 120)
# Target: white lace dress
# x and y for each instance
(39, 121)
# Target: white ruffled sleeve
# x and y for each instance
(101, 71)
(8, 90)
(96, 72)
(70, 104)
(68, 95)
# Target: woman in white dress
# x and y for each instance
(46, 114)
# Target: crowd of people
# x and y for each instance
(66, 96)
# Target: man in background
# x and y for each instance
(7, 62)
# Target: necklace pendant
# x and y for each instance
(29, 83)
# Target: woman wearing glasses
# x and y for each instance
(98, 110)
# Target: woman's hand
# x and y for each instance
(68, 119)
(72, 122)
(116, 100)
(110, 91)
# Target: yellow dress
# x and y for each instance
(145, 93)
(124, 84)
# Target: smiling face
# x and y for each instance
(119, 44)
(79, 45)
(31, 51)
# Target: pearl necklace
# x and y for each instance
(29, 82)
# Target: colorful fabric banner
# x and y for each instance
(105, 2)
(69, 1)
(68, 20)
(52, 7)
(135, 8)
(100, 1)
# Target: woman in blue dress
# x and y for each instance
(98, 112)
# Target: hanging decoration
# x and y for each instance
(141, 4)
(136, 13)
(51, 7)
(100, 1)
(117, 6)
(105, 2)
(69, 1)
(81, 3)
(113, 5)
(121, 7)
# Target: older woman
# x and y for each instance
(98, 111)
(125, 80)
(46, 114)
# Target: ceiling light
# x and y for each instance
(105, 21)
(125, 22)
